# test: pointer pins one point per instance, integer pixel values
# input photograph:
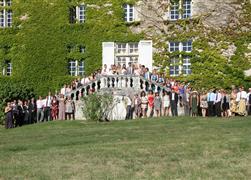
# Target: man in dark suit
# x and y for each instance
(174, 98)
(20, 118)
(32, 111)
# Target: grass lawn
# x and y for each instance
(181, 148)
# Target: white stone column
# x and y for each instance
(102, 83)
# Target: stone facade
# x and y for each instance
(210, 16)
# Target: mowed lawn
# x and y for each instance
(181, 148)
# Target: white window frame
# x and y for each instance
(6, 17)
(186, 4)
(186, 46)
(120, 60)
(175, 67)
(81, 68)
(121, 48)
(175, 9)
(72, 68)
(126, 52)
(2, 3)
(174, 46)
(5, 3)
(76, 71)
(81, 9)
(133, 48)
(128, 15)
(187, 63)
(7, 70)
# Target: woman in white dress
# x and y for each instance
(166, 104)
(144, 104)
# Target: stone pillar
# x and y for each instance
(96, 86)
(102, 83)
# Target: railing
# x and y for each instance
(137, 83)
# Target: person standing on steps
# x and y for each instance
(69, 109)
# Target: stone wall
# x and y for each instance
(218, 16)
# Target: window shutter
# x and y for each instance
(108, 53)
(146, 54)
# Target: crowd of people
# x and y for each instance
(214, 103)
(148, 103)
(57, 107)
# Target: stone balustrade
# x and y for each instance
(116, 82)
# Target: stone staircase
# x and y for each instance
(117, 85)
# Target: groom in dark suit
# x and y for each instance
(174, 98)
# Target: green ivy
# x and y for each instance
(38, 44)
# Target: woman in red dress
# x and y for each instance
(54, 108)
(150, 104)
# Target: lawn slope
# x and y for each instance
(180, 148)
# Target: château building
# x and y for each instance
(58, 39)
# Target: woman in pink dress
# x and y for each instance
(61, 107)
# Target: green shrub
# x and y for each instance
(96, 106)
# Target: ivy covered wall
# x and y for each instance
(42, 40)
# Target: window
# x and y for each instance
(134, 60)
(121, 48)
(187, 65)
(120, 60)
(81, 49)
(177, 67)
(126, 52)
(72, 68)
(1, 2)
(81, 15)
(187, 46)
(133, 48)
(8, 2)
(7, 70)
(76, 68)
(5, 15)
(2, 21)
(173, 46)
(181, 10)
(128, 13)
(174, 11)
(186, 9)
(5, 2)
(9, 18)
(174, 66)
(81, 68)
